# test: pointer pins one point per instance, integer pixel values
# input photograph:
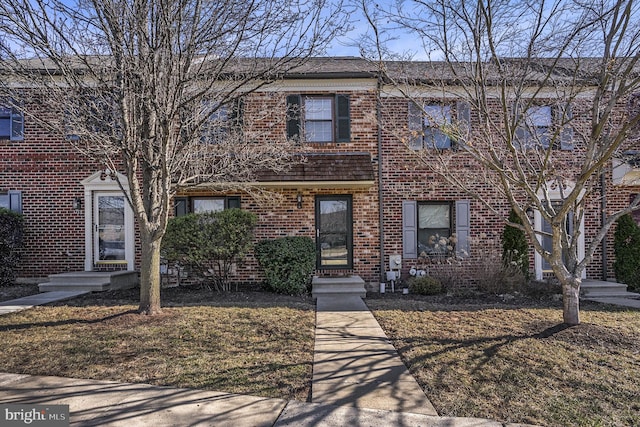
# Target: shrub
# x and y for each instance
(515, 249)
(425, 285)
(627, 251)
(209, 244)
(11, 238)
(288, 263)
(495, 276)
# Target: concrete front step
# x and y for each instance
(602, 289)
(90, 281)
(334, 286)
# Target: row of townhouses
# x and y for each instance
(360, 191)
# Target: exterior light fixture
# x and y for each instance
(77, 203)
(299, 200)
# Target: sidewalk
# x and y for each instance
(354, 364)
(104, 403)
(24, 303)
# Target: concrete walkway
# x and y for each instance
(24, 303)
(354, 364)
(104, 403)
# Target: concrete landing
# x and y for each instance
(24, 303)
(355, 364)
(92, 281)
(338, 286)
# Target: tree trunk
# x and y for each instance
(150, 276)
(571, 301)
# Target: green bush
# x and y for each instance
(425, 285)
(209, 244)
(627, 251)
(515, 249)
(11, 238)
(288, 263)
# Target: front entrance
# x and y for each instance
(109, 224)
(334, 232)
(109, 237)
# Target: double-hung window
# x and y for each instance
(438, 126)
(544, 126)
(221, 120)
(435, 229)
(11, 124)
(319, 118)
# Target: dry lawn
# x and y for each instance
(515, 363)
(238, 342)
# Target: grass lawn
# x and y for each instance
(514, 363)
(509, 362)
(249, 343)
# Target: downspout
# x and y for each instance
(603, 219)
(383, 276)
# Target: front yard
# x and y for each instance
(476, 358)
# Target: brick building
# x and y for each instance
(360, 192)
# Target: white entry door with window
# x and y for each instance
(109, 224)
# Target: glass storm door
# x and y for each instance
(110, 235)
(334, 232)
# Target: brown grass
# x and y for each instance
(516, 363)
(226, 342)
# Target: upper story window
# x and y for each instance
(434, 125)
(544, 126)
(221, 120)
(319, 119)
(11, 124)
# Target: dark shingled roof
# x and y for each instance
(325, 167)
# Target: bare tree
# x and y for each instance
(548, 96)
(142, 82)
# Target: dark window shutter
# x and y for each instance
(409, 229)
(463, 228)
(463, 114)
(233, 202)
(416, 133)
(17, 126)
(343, 119)
(564, 116)
(294, 105)
(15, 201)
(521, 135)
(237, 113)
(181, 206)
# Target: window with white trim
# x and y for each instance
(185, 205)
(11, 200)
(319, 118)
(440, 126)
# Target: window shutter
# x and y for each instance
(343, 119)
(409, 229)
(463, 113)
(233, 202)
(565, 116)
(294, 105)
(463, 228)
(416, 132)
(237, 113)
(181, 206)
(17, 126)
(521, 135)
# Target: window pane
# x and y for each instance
(318, 131)
(437, 115)
(539, 116)
(4, 201)
(208, 205)
(317, 109)
(434, 216)
(5, 127)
